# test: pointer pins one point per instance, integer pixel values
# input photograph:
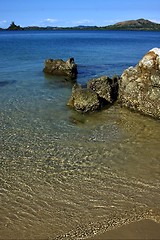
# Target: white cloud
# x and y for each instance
(84, 21)
(3, 22)
(46, 22)
(154, 20)
(50, 20)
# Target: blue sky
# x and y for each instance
(76, 12)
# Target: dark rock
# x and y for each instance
(105, 87)
(62, 68)
(83, 99)
(139, 87)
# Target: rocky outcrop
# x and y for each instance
(60, 67)
(83, 99)
(139, 87)
(99, 91)
(105, 87)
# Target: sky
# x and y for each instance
(62, 13)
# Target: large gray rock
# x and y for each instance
(83, 100)
(60, 67)
(139, 87)
(105, 87)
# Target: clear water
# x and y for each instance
(64, 175)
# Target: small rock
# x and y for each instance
(60, 67)
(83, 99)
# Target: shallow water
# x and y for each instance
(65, 175)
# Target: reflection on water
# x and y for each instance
(84, 173)
(59, 81)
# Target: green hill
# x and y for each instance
(137, 25)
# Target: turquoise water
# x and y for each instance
(65, 175)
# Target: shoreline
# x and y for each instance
(143, 229)
(131, 25)
(76, 29)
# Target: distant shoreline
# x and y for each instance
(132, 25)
(79, 29)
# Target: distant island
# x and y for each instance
(132, 25)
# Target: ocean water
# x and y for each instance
(64, 175)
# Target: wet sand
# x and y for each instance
(144, 229)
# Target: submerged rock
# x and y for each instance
(105, 87)
(99, 91)
(83, 99)
(139, 87)
(62, 68)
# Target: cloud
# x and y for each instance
(84, 21)
(50, 20)
(3, 22)
(154, 20)
(46, 21)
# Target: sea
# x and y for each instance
(66, 175)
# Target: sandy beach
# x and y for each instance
(144, 229)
